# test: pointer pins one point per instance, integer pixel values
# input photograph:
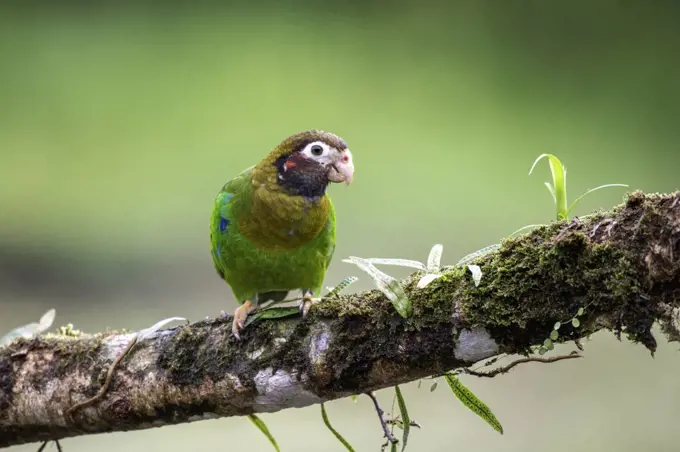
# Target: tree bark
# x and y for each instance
(622, 266)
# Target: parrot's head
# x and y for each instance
(305, 163)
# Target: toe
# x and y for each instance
(307, 304)
(235, 331)
(238, 323)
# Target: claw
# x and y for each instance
(307, 302)
(240, 316)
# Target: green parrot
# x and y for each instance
(272, 228)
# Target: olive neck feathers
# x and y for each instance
(278, 220)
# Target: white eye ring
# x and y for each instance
(319, 151)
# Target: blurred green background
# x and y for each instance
(120, 122)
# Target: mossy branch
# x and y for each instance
(624, 264)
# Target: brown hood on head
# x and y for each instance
(286, 167)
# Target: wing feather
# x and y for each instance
(222, 216)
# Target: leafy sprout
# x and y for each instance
(558, 188)
(388, 285)
(433, 270)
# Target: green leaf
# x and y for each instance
(575, 322)
(557, 325)
(272, 313)
(590, 191)
(551, 190)
(433, 387)
(554, 334)
(341, 286)
(25, 331)
(399, 299)
(476, 273)
(548, 344)
(471, 401)
(259, 423)
(542, 350)
(398, 262)
(147, 332)
(580, 311)
(427, 279)
(434, 259)
(333, 431)
(404, 416)
(394, 447)
(388, 285)
(559, 185)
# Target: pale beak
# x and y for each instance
(342, 170)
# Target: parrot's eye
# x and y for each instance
(316, 150)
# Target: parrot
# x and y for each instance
(272, 227)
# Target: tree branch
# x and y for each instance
(622, 264)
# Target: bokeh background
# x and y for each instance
(119, 122)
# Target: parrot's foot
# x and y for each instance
(240, 316)
(307, 302)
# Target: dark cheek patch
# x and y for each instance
(302, 176)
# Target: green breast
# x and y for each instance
(265, 240)
(276, 221)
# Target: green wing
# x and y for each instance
(221, 214)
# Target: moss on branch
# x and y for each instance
(622, 265)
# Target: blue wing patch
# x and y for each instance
(223, 224)
(223, 201)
